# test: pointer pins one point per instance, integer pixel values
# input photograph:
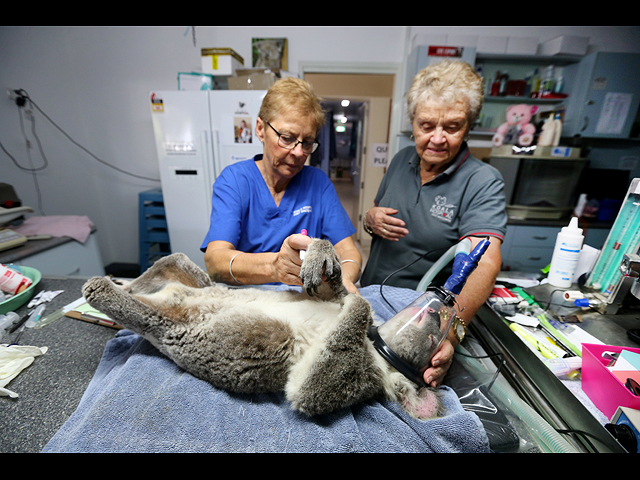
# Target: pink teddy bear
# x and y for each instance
(517, 129)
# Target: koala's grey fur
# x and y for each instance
(313, 345)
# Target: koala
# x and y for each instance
(313, 344)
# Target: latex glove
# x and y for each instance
(14, 359)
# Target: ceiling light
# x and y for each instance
(345, 103)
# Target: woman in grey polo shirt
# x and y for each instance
(435, 194)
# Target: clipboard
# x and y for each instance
(87, 313)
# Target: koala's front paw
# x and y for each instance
(320, 259)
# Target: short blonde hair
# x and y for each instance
(296, 94)
(449, 82)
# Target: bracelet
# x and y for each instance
(359, 266)
(367, 228)
(230, 272)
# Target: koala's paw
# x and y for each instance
(320, 260)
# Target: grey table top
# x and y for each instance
(50, 389)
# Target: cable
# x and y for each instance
(28, 147)
(402, 268)
(23, 94)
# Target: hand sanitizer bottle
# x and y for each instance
(565, 255)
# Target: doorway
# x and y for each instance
(366, 121)
(340, 152)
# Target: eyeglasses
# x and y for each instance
(288, 142)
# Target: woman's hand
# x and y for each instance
(440, 364)
(286, 265)
(383, 224)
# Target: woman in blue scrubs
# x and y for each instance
(266, 210)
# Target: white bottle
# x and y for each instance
(565, 255)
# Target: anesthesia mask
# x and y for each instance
(411, 338)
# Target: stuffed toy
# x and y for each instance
(516, 130)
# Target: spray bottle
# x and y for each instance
(411, 338)
(565, 255)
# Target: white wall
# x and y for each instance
(94, 83)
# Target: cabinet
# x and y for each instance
(529, 248)
(605, 95)
(66, 258)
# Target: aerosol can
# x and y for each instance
(411, 338)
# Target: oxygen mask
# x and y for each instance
(411, 338)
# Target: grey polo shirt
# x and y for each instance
(465, 200)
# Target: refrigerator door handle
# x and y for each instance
(217, 156)
(209, 165)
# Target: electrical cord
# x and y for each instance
(23, 97)
(424, 255)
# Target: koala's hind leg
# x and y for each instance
(341, 371)
(101, 293)
(175, 268)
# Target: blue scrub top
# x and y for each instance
(244, 213)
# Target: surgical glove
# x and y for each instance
(14, 359)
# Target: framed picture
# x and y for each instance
(269, 53)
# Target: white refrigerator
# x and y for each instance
(197, 134)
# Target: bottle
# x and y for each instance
(504, 79)
(535, 84)
(495, 86)
(548, 82)
(6, 321)
(12, 281)
(565, 255)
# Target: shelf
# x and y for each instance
(528, 59)
(539, 101)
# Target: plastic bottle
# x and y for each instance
(535, 84)
(495, 86)
(565, 255)
(6, 321)
(548, 82)
(12, 281)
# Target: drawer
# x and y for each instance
(528, 259)
(533, 236)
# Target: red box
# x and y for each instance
(602, 387)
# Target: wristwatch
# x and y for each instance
(459, 328)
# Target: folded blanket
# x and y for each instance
(77, 227)
(139, 401)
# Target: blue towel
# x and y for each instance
(139, 401)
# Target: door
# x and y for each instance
(377, 90)
(182, 131)
(233, 121)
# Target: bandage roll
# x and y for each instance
(572, 295)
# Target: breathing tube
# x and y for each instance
(411, 338)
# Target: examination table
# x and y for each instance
(101, 390)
